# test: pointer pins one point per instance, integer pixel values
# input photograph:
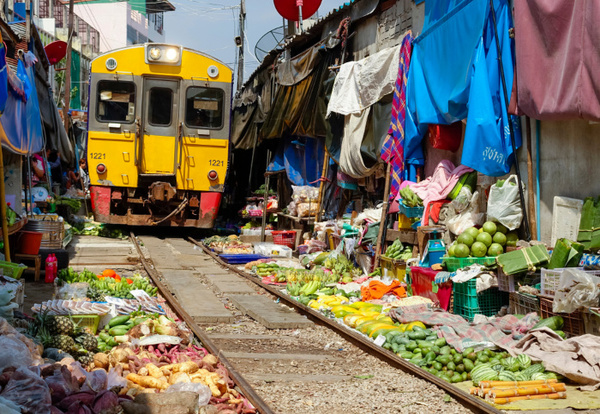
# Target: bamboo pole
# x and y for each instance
(266, 198)
(530, 193)
(384, 210)
(322, 185)
(3, 210)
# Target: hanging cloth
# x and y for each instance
(392, 151)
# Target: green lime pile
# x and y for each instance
(489, 240)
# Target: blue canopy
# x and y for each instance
(454, 74)
(301, 158)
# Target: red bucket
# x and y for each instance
(29, 242)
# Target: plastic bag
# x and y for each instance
(272, 250)
(457, 222)
(446, 137)
(504, 204)
(202, 390)
(13, 353)
(307, 209)
(29, 391)
(576, 288)
(304, 193)
(73, 291)
(8, 407)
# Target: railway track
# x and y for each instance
(311, 364)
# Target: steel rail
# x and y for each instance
(245, 388)
(473, 403)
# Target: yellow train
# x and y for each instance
(158, 136)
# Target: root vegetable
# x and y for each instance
(154, 371)
(188, 366)
(210, 359)
(148, 382)
(179, 377)
(143, 371)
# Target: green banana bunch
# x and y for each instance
(409, 198)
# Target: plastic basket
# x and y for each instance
(404, 223)
(573, 322)
(410, 212)
(522, 303)
(591, 321)
(87, 321)
(422, 284)
(285, 238)
(551, 277)
(455, 263)
(395, 267)
(13, 270)
(468, 303)
(506, 283)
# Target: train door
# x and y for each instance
(159, 126)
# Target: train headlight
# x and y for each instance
(155, 53)
(101, 169)
(213, 175)
(171, 54)
(163, 54)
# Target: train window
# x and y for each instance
(204, 107)
(116, 101)
(160, 106)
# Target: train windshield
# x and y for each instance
(204, 107)
(116, 101)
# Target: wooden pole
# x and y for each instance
(68, 70)
(530, 193)
(322, 185)
(3, 210)
(384, 210)
(266, 198)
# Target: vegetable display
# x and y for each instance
(110, 284)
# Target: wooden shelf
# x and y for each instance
(309, 220)
(15, 227)
(405, 236)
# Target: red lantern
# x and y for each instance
(289, 8)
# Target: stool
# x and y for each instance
(35, 258)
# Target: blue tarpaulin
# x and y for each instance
(301, 158)
(454, 75)
(21, 123)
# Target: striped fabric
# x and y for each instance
(392, 151)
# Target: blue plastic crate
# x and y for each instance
(241, 258)
(410, 212)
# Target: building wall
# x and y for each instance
(110, 19)
(569, 164)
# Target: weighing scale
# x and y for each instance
(435, 248)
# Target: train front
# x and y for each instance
(158, 136)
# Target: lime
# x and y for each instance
(478, 249)
(489, 227)
(499, 238)
(472, 231)
(451, 250)
(465, 239)
(501, 228)
(461, 250)
(484, 238)
(511, 238)
(495, 250)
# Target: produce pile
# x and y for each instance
(229, 245)
(490, 240)
(108, 283)
(397, 251)
(410, 198)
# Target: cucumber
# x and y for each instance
(407, 355)
(104, 336)
(118, 320)
(118, 330)
(440, 342)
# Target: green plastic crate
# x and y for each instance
(14, 270)
(467, 303)
(87, 321)
(455, 263)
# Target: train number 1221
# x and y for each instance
(216, 163)
(98, 156)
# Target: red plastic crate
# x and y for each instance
(423, 280)
(285, 238)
